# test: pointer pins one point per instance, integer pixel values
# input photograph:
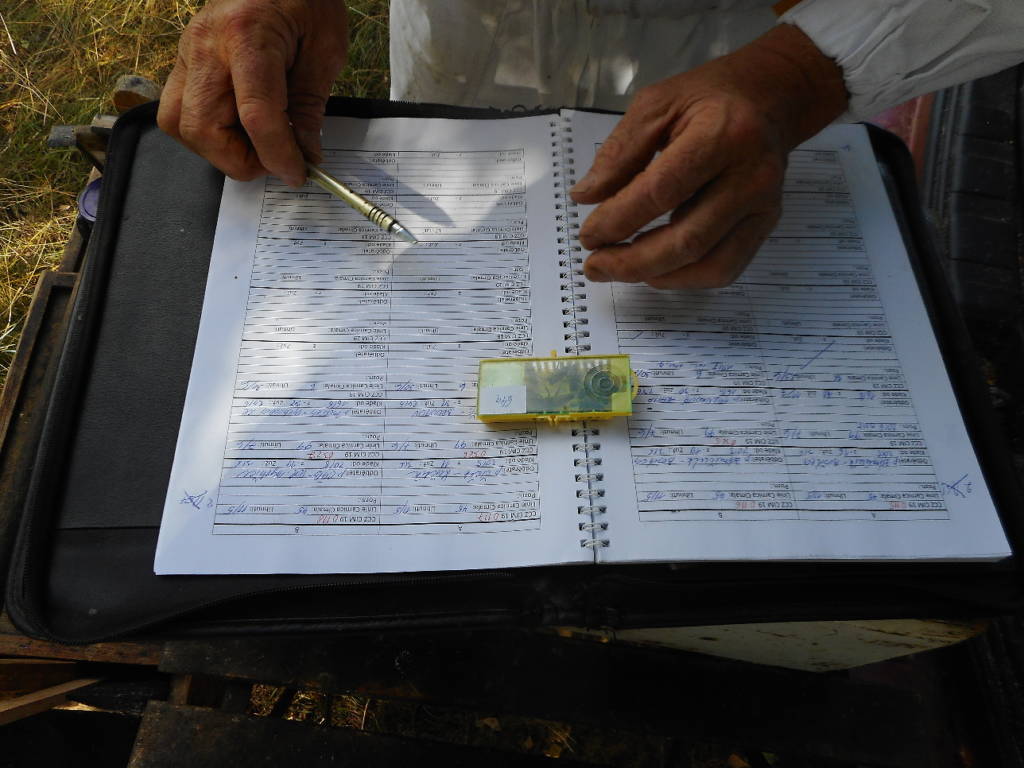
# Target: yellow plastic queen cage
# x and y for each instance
(555, 389)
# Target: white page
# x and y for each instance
(330, 422)
(802, 413)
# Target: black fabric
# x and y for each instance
(83, 565)
(140, 365)
(962, 361)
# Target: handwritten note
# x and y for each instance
(349, 413)
(803, 410)
(802, 413)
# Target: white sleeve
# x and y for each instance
(893, 50)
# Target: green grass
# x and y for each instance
(59, 60)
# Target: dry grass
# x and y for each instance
(59, 60)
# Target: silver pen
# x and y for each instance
(377, 216)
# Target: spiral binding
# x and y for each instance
(575, 334)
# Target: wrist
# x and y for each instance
(799, 88)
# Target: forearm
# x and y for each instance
(799, 89)
(892, 51)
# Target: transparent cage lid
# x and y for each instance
(555, 388)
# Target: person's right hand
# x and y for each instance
(251, 81)
(708, 147)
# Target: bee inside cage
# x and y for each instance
(555, 389)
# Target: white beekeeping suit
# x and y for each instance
(597, 53)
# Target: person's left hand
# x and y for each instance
(708, 146)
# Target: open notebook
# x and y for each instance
(803, 413)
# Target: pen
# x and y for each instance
(381, 218)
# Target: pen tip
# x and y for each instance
(405, 235)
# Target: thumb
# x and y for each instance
(306, 112)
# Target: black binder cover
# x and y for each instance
(82, 569)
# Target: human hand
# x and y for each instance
(251, 81)
(723, 131)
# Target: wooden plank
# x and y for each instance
(180, 685)
(30, 334)
(20, 676)
(25, 397)
(609, 685)
(13, 643)
(171, 736)
(147, 654)
(198, 690)
(40, 701)
(74, 249)
(127, 696)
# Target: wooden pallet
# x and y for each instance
(662, 704)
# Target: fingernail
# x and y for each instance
(595, 275)
(582, 186)
(294, 181)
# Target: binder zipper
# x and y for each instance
(440, 578)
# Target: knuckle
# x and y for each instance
(619, 263)
(723, 276)
(769, 174)
(166, 121)
(241, 22)
(717, 280)
(610, 150)
(245, 173)
(763, 225)
(626, 271)
(306, 103)
(664, 186)
(744, 132)
(710, 277)
(199, 31)
(666, 283)
(235, 163)
(648, 99)
(254, 116)
(197, 46)
(644, 95)
(778, 162)
(747, 127)
(727, 269)
(689, 244)
(258, 28)
(192, 130)
(654, 196)
(595, 230)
